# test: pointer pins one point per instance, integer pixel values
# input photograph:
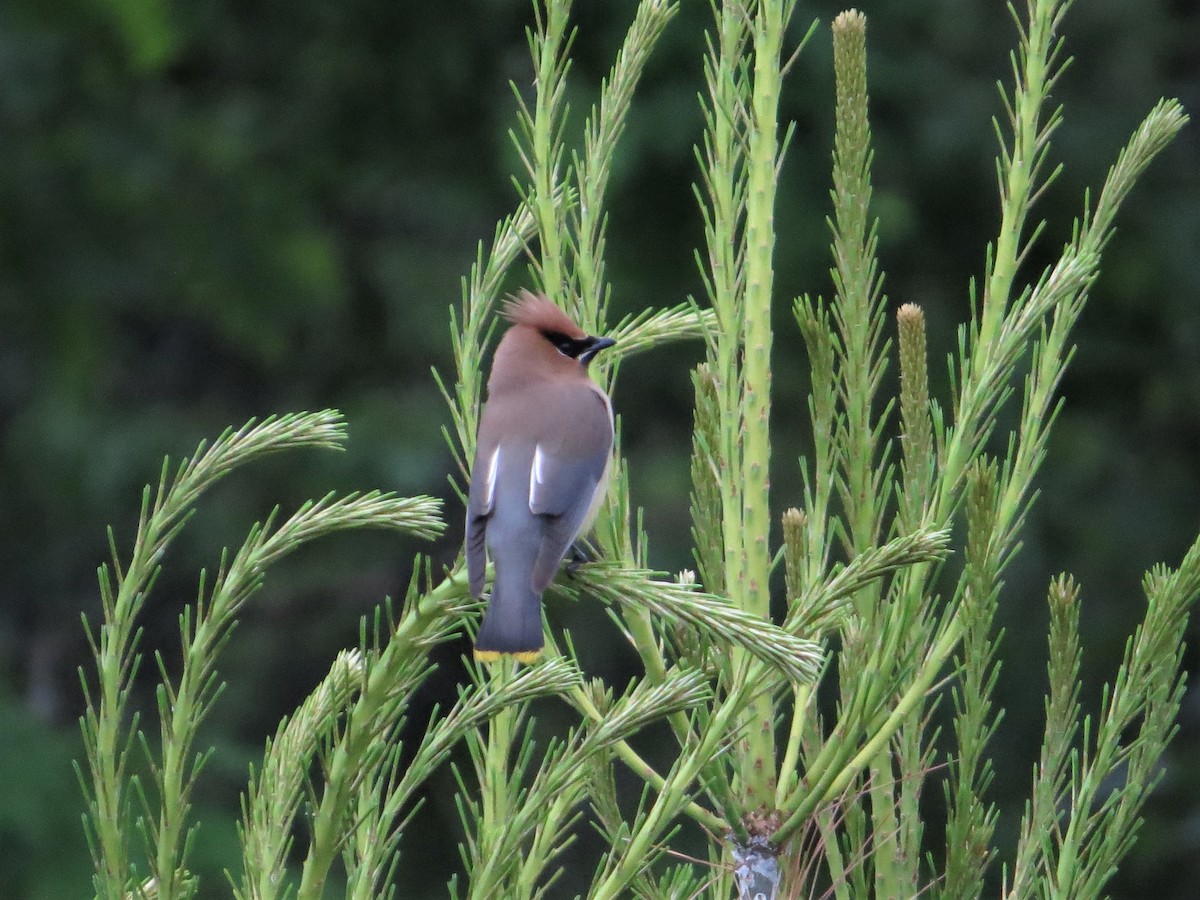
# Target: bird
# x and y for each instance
(542, 456)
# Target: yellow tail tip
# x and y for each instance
(522, 656)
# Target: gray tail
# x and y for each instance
(512, 625)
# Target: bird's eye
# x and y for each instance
(565, 345)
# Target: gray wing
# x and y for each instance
(568, 468)
(480, 501)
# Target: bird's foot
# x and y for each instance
(576, 557)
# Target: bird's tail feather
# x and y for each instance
(512, 625)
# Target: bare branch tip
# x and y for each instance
(851, 20)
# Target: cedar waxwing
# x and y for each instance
(540, 471)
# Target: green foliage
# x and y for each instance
(911, 512)
(121, 803)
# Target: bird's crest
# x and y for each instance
(535, 311)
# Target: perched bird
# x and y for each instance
(541, 466)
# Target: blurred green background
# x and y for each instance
(214, 210)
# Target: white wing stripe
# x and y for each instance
(536, 475)
(489, 490)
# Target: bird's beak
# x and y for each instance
(595, 345)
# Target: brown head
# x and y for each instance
(543, 343)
